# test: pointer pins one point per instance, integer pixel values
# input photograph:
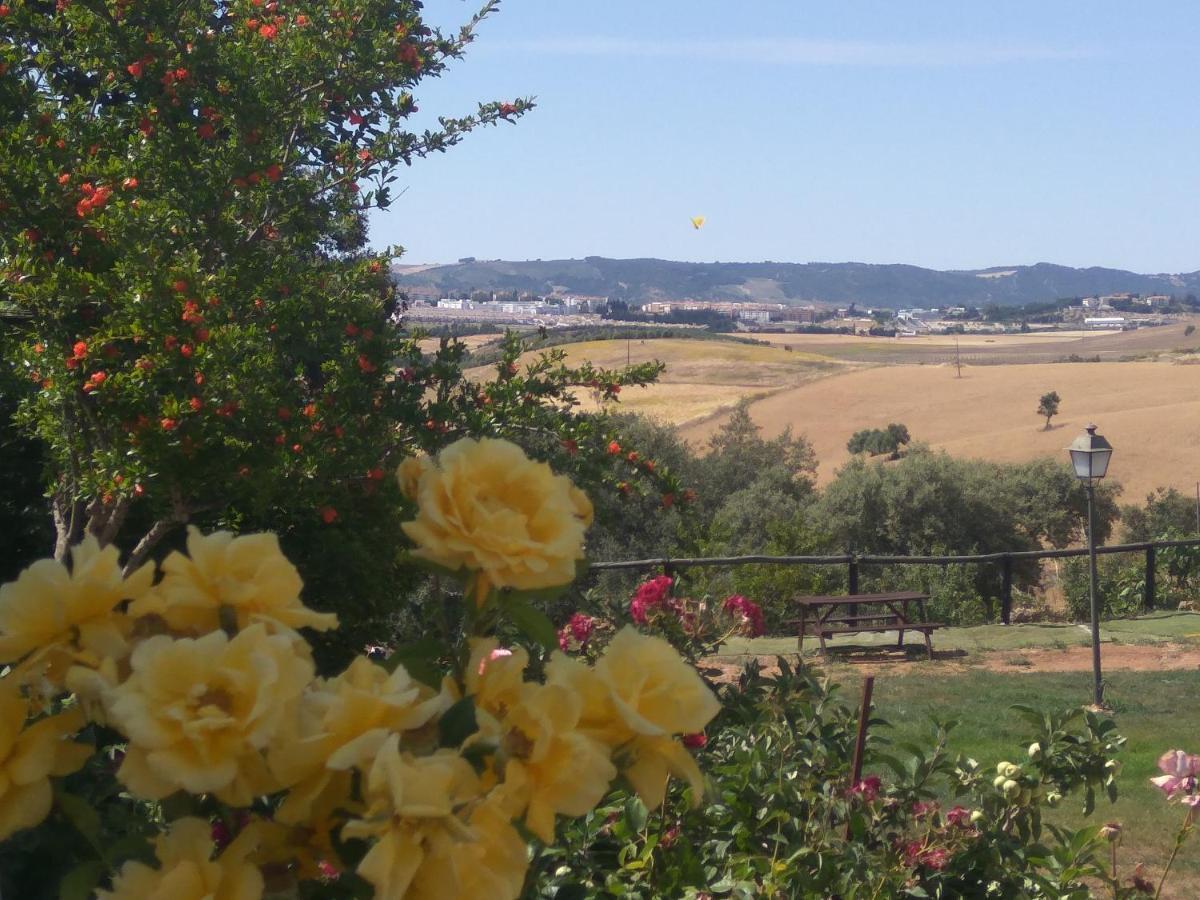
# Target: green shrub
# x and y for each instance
(781, 818)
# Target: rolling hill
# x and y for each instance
(893, 286)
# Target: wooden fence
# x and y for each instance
(852, 562)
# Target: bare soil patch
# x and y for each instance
(1116, 658)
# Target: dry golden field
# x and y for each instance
(1150, 411)
(978, 349)
(703, 378)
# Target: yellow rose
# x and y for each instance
(63, 615)
(548, 762)
(487, 507)
(495, 675)
(30, 756)
(654, 690)
(641, 694)
(247, 576)
(198, 712)
(187, 870)
(341, 723)
(484, 861)
(411, 801)
(409, 473)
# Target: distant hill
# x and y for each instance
(796, 283)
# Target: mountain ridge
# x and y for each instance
(893, 285)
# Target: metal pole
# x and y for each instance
(1097, 684)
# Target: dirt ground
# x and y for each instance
(1149, 411)
(1117, 658)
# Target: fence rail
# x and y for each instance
(853, 561)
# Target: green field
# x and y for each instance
(1155, 710)
(1164, 627)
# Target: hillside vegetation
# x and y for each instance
(841, 283)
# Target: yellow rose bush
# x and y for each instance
(484, 507)
(191, 687)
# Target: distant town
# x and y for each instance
(1110, 312)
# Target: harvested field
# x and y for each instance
(703, 378)
(984, 349)
(1149, 411)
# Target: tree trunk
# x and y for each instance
(68, 524)
(105, 520)
(149, 541)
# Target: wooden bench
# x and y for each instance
(818, 616)
(926, 629)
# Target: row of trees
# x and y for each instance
(759, 495)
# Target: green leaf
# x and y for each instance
(81, 881)
(80, 814)
(419, 658)
(530, 620)
(458, 723)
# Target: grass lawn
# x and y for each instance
(1160, 627)
(1155, 711)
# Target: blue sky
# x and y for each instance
(942, 133)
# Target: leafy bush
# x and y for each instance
(781, 818)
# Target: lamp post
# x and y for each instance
(1090, 454)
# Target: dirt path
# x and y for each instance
(1117, 658)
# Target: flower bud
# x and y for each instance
(1035, 750)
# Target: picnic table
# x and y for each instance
(885, 612)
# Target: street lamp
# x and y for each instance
(1090, 454)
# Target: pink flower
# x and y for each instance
(936, 858)
(650, 596)
(1179, 772)
(221, 835)
(498, 653)
(669, 837)
(868, 788)
(959, 817)
(696, 741)
(328, 870)
(913, 851)
(579, 629)
(748, 612)
(921, 809)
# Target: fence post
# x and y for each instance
(1006, 567)
(1151, 573)
(852, 581)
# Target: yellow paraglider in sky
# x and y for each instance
(697, 222)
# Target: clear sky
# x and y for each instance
(942, 133)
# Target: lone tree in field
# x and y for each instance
(880, 441)
(1048, 407)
